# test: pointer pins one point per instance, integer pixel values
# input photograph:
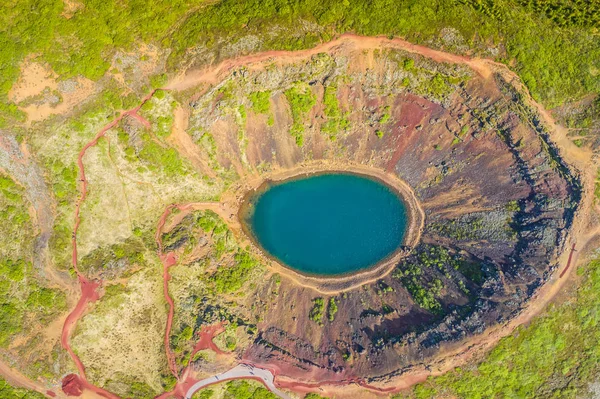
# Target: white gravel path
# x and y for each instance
(241, 371)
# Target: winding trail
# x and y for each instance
(89, 288)
(186, 385)
(167, 261)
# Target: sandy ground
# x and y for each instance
(34, 79)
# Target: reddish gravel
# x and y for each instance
(71, 385)
(206, 339)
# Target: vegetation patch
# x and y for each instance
(555, 356)
(336, 120)
(317, 311)
(301, 100)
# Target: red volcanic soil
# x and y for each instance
(205, 341)
(89, 294)
(71, 385)
(207, 334)
(167, 261)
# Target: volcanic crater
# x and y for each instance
(494, 199)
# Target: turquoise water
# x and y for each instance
(329, 224)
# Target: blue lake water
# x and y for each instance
(330, 223)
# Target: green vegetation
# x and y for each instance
(232, 278)
(584, 118)
(419, 281)
(301, 101)
(156, 156)
(317, 311)
(14, 217)
(313, 395)
(205, 393)
(238, 389)
(158, 81)
(556, 69)
(336, 121)
(424, 296)
(260, 102)
(332, 309)
(129, 252)
(512, 206)
(460, 135)
(186, 233)
(21, 296)
(458, 229)
(8, 392)
(386, 116)
(555, 356)
(438, 87)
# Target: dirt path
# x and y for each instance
(167, 261)
(89, 288)
(213, 74)
(17, 379)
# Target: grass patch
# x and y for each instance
(317, 311)
(301, 101)
(260, 102)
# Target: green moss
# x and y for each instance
(425, 291)
(313, 395)
(205, 393)
(301, 101)
(46, 300)
(260, 102)
(336, 120)
(242, 389)
(9, 392)
(157, 81)
(231, 278)
(332, 309)
(11, 320)
(160, 159)
(386, 116)
(317, 311)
